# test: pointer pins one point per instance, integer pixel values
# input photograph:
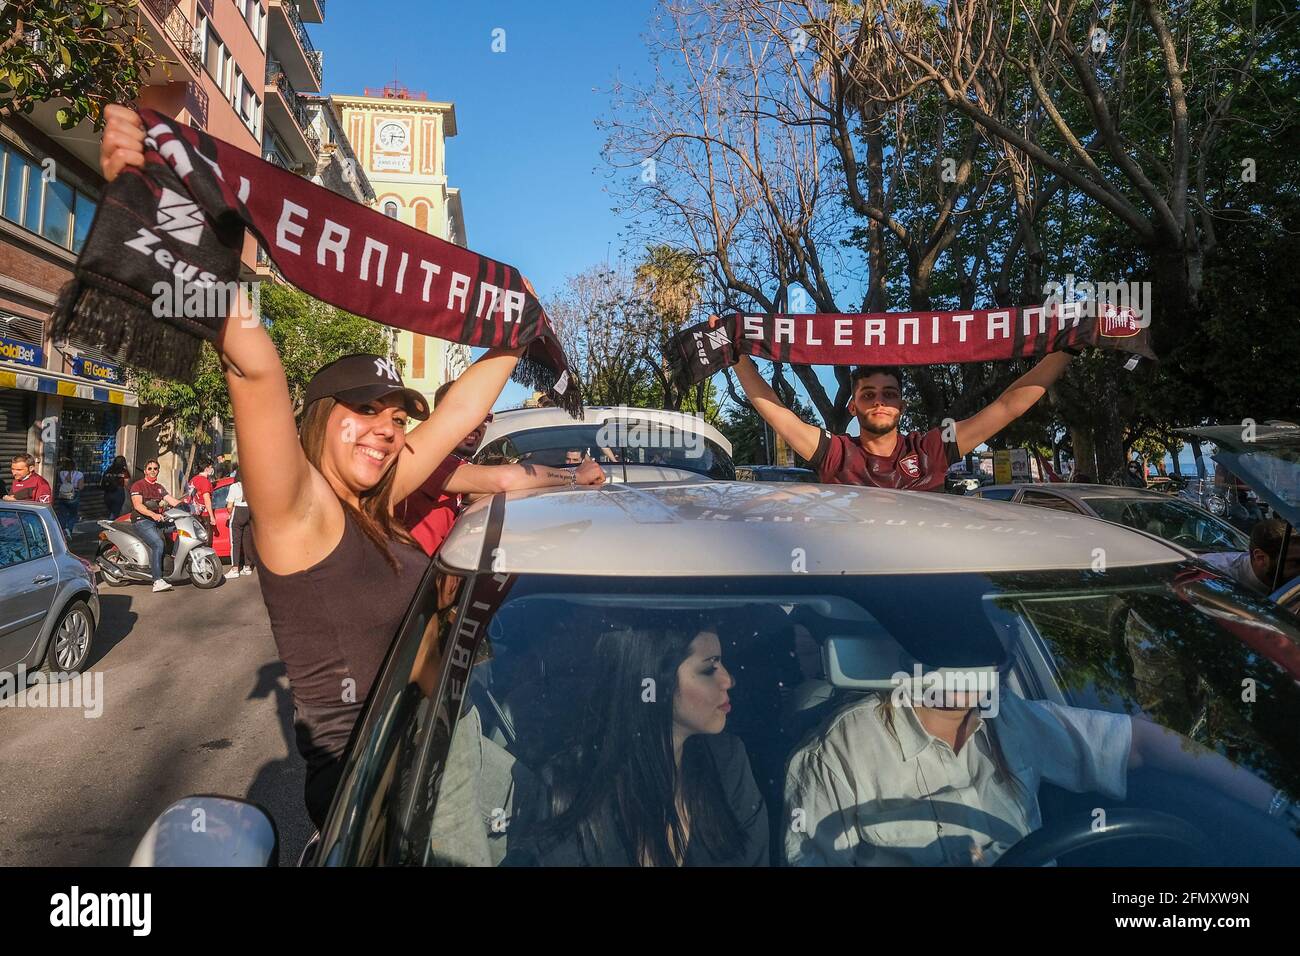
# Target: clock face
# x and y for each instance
(392, 136)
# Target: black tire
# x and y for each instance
(112, 577)
(71, 640)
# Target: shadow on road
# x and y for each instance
(116, 620)
(278, 785)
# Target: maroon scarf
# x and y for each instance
(905, 338)
(180, 222)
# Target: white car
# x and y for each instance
(632, 444)
(543, 626)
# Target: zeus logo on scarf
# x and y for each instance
(180, 217)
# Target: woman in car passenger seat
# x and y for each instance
(337, 569)
(654, 781)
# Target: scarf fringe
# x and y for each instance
(109, 322)
(535, 375)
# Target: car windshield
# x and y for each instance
(573, 698)
(630, 442)
(1192, 528)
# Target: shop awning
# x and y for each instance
(42, 381)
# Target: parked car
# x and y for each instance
(774, 473)
(1268, 461)
(632, 444)
(49, 603)
(490, 672)
(1151, 511)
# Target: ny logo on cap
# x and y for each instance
(180, 217)
(386, 367)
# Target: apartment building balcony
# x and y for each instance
(312, 11)
(175, 39)
(288, 43)
(286, 112)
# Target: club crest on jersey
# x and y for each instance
(910, 466)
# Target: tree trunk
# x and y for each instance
(1085, 456)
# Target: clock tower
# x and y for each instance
(398, 137)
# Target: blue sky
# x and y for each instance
(527, 152)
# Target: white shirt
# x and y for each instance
(1236, 565)
(235, 496)
(68, 484)
(857, 796)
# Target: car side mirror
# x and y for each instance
(210, 831)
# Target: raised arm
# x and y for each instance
(459, 412)
(491, 479)
(801, 436)
(1019, 397)
(279, 484)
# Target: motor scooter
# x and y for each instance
(123, 556)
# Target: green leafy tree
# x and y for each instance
(86, 55)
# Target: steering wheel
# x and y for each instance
(1043, 846)
(1186, 540)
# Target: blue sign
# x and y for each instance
(99, 371)
(24, 353)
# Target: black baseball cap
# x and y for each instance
(357, 379)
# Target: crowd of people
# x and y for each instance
(344, 508)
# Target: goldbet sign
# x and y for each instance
(100, 371)
(24, 353)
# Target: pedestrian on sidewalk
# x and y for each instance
(242, 556)
(67, 502)
(27, 484)
(114, 483)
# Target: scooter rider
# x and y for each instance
(147, 496)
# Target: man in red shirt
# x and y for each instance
(431, 510)
(28, 485)
(881, 457)
(199, 494)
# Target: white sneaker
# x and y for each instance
(246, 571)
(232, 573)
(161, 585)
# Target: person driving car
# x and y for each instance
(894, 780)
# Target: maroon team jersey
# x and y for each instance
(919, 462)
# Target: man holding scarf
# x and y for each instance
(880, 456)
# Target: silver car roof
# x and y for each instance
(524, 419)
(751, 528)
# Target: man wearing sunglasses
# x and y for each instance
(430, 511)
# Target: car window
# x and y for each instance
(38, 539)
(220, 496)
(624, 441)
(1043, 500)
(1172, 521)
(997, 494)
(13, 542)
(483, 776)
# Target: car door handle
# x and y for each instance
(42, 578)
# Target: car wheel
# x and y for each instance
(70, 643)
(205, 571)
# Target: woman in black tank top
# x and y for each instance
(337, 569)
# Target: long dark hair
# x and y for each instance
(375, 516)
(619, 781)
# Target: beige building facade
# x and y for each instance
(398, 138)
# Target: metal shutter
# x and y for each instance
(15, 418)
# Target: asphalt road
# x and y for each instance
(194, 701)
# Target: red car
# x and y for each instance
(221, 518)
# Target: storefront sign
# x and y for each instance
(99, 371)
(24, 353)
